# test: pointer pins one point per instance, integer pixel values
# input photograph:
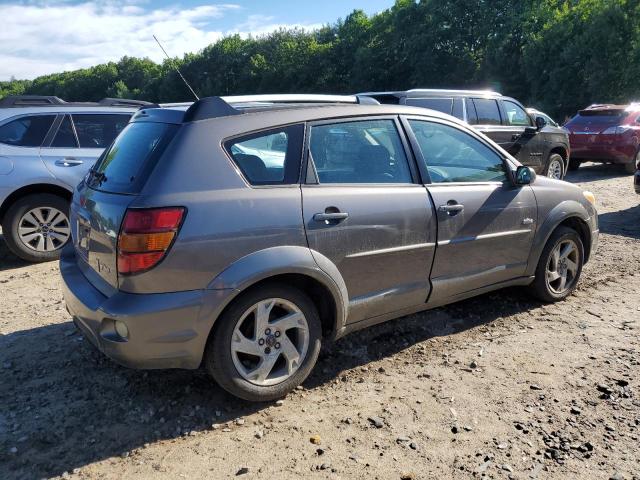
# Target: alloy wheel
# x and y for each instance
(270, 342)
(562, 266)
(555, 170)
(44, 229)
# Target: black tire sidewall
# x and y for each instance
(540, 287)
(218, 360)
(12, 219)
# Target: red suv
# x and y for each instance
(605, 133)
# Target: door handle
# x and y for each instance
(68, 162)
(515, 137)
(451, 208)
(330, 216)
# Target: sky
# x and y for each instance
(38, 37)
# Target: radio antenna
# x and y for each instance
(176, 68)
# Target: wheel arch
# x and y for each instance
(308, 271)
(569, 214)
(35, 188)
(563, 152)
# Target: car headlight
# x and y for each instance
(591, 198)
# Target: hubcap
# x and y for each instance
(562, 267)
(44, 229)
(270, 342)
(555, 170)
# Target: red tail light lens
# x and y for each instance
(146, 236)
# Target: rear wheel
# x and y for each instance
(559, 267)
(555, 167)
(632, 166)
(574, 165)
(36, 227)
(265, 344)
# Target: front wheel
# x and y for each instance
(36, 227)
(559, 267)
(265, 344)
(632, 166)
(555, 167)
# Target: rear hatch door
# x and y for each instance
(111, 186)
(587, 126)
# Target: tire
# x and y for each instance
(232, 370)
(632, 166)
(554, 167)
(548, 291)
(52, 240)
(574, 165)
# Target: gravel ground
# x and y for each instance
(499, 386)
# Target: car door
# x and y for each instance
(366, 211)
(486, 224)
(77, 143)
(528, 144)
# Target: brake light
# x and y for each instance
(145, 237)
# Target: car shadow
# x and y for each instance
(622, 222)
(8, 260)
(63, 405)
(589, 172)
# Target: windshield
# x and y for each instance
(124, 166)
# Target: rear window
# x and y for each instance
(443, 105)
(26, 131)
(598, 117)
(124, 166)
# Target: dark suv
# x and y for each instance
(534, 142)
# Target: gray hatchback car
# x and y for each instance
(241, 233)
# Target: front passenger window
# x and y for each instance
(452, 155)
(367, 151)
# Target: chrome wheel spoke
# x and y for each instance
(552, 276)
(262, 313)
(290, 354)
(563, 282)
(37, 213)
(241, 344)
(293, 320)
(27, 238)
(262, 371)
(572, 267)
(566, 250)
(44, 229)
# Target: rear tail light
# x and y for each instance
(145, 237)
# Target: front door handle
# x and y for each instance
(330, 216)
(451, 208)
(515, 137)
(68, 162)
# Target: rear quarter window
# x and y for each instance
(444, 105)
(270, 157)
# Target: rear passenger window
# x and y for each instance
(443, 105)
(26, 131)
(487, 111)
(65, 138)
(367, 151)
(98, 131)
(269, 158)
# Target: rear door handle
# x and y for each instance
(451, 208)
(329, 217)
(68, 162)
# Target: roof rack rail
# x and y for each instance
(30, 100)
(125, 102)
(13, 101)
(431, 91)
(213, 107)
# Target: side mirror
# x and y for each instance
(525, 175)
(540, 123)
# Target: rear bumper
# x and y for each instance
(603, 152)
(166, 330)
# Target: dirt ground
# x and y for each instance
(499, 386)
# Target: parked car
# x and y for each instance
(192, 246)
(636, 180)
(46, 146)
(606, 133)
(503, 119)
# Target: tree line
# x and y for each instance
(556, 55)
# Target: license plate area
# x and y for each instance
(84, 233)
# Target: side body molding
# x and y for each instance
(274, 261)
(561, 212)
